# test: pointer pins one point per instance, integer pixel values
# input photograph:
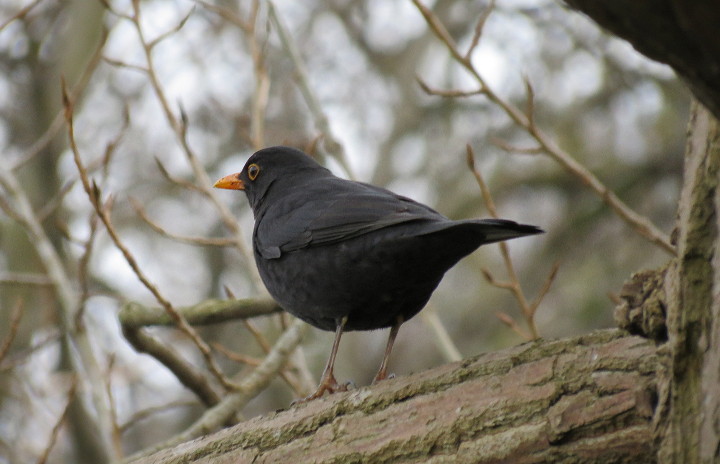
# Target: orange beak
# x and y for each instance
(231, 182)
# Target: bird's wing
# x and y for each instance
(336, 212)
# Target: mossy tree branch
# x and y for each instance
(589, 398)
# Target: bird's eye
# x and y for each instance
(253, 171)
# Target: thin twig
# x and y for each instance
(147, 412)
(176, 180)
(102, 210)
(18, 358)
(251, 385)
(171, 31)
(641, 224)
(24, 278)
(505, 146)
(15, 316)
(52, 204)
(83, 274)
(202, 241)
(510, 322)
(227, 15)
(236, 357)
(61, 420)
(294, 382)
(82, 357)
(124, 64)
(187, 374)
(513, 284)
(447, 93)
(261, 92)
(57, 123)
(255, 362)
(117, 431)
(479, 26)
(179, 127)
(545, 288)
(20, 14)
(322, 124)
(442, 338)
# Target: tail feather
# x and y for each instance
(484, 230)
(497, 230)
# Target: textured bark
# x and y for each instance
(643, 310)
(583, 400)
(683, 34)
(689, 416)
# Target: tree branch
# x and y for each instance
(587, 399)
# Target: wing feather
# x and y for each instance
(338, 211)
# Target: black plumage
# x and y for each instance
(345, 255)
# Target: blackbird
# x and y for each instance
(344, 255)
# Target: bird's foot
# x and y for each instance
(382, 376)
(327, 384)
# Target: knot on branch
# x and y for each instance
(643, 307)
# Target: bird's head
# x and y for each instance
(272, 169)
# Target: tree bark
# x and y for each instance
(689, 418)
(589, 399)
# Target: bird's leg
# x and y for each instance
(327, 381)
(382, 372)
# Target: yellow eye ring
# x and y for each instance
(253, 171)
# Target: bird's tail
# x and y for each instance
(497, 230)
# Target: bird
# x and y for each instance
(344, 255)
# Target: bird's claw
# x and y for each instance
(382, 376)
(329, 385)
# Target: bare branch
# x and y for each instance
(332, 145)
(83, 359)
(117, 431)
(530, 99)
(57, 123)
(514, 283)
(24, 278)
(510, 322)
(172, 31)
(145, 413)
(545, 288)
(15, 316)
(250, 386)
(227, 15)
(479, 29)
(202, 241)
(641, 224)
(442, 338)
(103, 213)
(20, 14)
(505, 146)
(186, 373)
(289, 379)
(447, 93)
(61, 420)
(179, 127)
(237, 357)
(176, 180)
(16, 359)
(208, 312)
